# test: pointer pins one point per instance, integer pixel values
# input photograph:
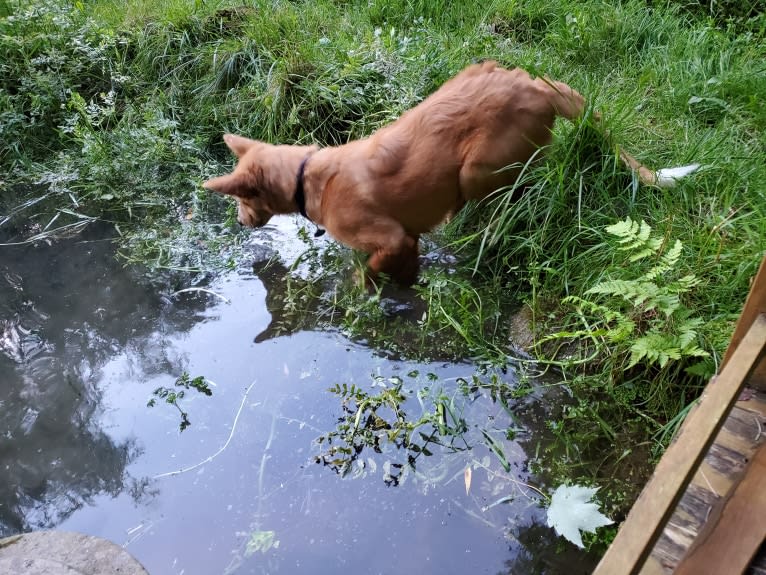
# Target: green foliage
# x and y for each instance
(378, 422)
(643, 316)
(741, 14)
(632, 349)
(462, 316)
(635, 237)
(172, 395)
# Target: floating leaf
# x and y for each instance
(467, 478)
(261, 541)
(572, 511)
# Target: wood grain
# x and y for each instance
(647, 518)
(735, 530)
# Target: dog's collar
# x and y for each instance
(300, 194)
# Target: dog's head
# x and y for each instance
(263, 182)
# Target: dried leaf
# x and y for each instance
(467, 478)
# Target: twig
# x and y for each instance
(473, 514)
(211, 292)
(517, 482)
(217, 453)
(72, 228)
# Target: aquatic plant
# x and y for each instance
(172, 395)
(379, 423)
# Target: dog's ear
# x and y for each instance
(238, 144)
(230, 184)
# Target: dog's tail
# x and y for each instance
(570, 104)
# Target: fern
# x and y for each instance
(593, 308)
(688, 337)
(641, 294)
(643, 316)
(635, 237)
(635, 292)
(654, 347)
(667, 262)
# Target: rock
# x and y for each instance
(64, 553)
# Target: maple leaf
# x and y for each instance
(572, 511)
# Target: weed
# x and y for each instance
(656, 328)
(377, 421)
(171, 395)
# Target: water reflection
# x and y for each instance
(65, 310)
(48, 448)
(85, 342)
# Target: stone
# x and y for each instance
(65, 553)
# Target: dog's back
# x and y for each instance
(454, 146)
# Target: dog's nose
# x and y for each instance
(240, 223)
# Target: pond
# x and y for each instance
(84, 343)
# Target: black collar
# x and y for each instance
(300, 194)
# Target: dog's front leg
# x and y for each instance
(398, 259)
(392, 250)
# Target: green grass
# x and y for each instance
(115, 110)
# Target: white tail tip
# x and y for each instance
(667, 177)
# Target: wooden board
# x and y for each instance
(754, 304)
(724, 464)
(647, 518)
(735, 530)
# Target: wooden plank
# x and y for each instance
(657, 501)
(735, 530)
(755, 405)
(653, 567)
(754, 304)
(723, 466)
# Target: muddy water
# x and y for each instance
(83, 344)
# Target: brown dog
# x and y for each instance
(379, 194)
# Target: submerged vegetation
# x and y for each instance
(114, 111)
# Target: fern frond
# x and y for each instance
(627, 228)
(593, 308)
(647, 251)
(635, 237)
(684, 284)
(667, 303)
(625, 288)
(578, 334)
(687, 338)
(636, 292)
(666, 263)
(654, 348)
(622, 331)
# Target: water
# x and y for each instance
(83, 344)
